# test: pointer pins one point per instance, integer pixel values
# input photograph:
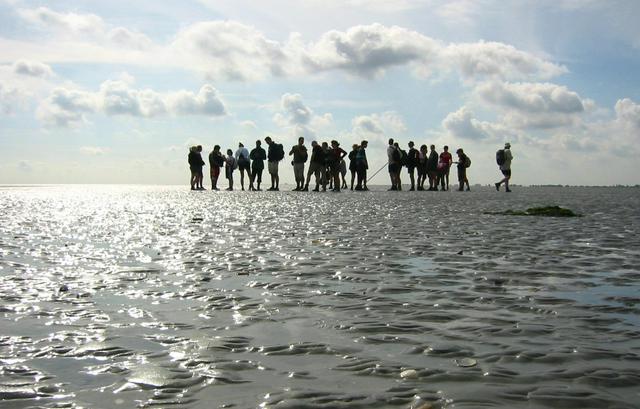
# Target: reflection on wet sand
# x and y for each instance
(152, 296)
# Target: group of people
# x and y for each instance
(327, 166)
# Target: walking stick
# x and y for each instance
(378, 171)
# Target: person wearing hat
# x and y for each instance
(505, 167)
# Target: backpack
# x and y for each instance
(396, 155)
(278, 152)
(500, 157)
(467, 161)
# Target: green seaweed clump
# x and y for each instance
(547, 211)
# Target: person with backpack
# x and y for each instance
(230, 165)
(432, 168)
(299, 153)
(463, 163)
(503, 159)
(216, 161)
(257, 156)
(274, 156)
(244, 164)
(412, 163)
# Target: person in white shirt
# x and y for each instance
(505, 168)
(244, 164)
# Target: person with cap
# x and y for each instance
(244, 163)
(504, 162)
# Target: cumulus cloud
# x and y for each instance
(9, 98)
(84, 28)
(368, 50)
(498, 60)
(234, 51)
(230, 50)
(534, 105)
(462, 124)
(32, 68)
(68, 107)
(378, 126)
(299, 118)
(628, 113)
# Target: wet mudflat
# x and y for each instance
(120, 297)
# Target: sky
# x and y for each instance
(116, 92)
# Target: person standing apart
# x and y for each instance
(300, 155)
(504, 158)
(243, 162)
(274, 155)
(463, 163)
(257, 156)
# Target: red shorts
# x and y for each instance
(214, 171)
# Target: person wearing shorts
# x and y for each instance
(505, 168)
(257, 156)
(244, 163)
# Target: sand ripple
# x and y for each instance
(114, 297)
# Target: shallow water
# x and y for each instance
(122, 296)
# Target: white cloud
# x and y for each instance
(628, 114)
(378, 126)
(299, 118)
(368, 50)
(534, 105)
(462, 124)
(9, 98)
(498, 60)
(94, 150)
(230, 50)
(32, 68)
(68, 107)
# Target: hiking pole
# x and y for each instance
(378, 171)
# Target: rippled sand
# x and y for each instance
(117, 297)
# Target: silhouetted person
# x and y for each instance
(274, 156)
(444, 166)
(352, 162)
(316, 166)
(412, 164)
(336, 154)
(343, 173)
(216, 161)
(361, 166)
(400, 155)
(505, 167)
(244, 163)
(230, 165)
(393, 160)
(195, 166)
(299, 153)
(462, 170)
(257, 156)
(432, 168)
(423, 155)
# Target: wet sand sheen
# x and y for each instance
(118, 297)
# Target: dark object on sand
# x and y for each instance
(548, 211)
